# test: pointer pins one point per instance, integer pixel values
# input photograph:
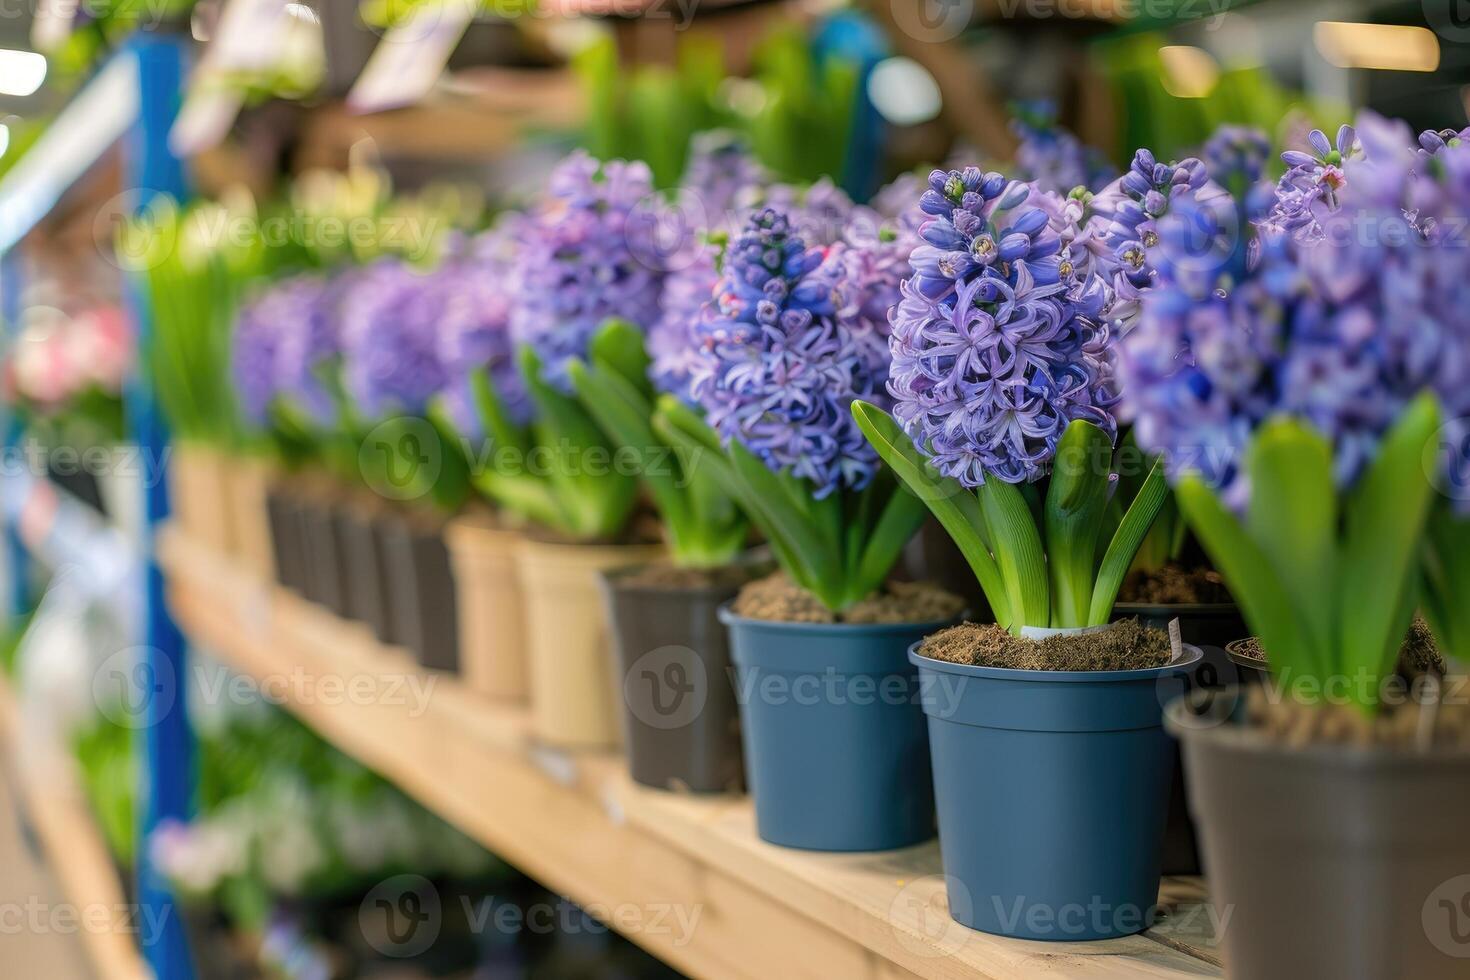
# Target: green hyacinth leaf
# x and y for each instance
(1384, 520)
(955, 507)
(1075, 503)
(1292, 516)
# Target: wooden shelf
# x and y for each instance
(627, 853)
(62, 820)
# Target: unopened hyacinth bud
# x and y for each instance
(979, 224)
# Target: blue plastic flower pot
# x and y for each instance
(1052, 789)
(835, 749)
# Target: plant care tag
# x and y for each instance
(411, 57)
(1176, 640)
(247, 40)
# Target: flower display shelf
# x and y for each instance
(57, 812)
(632, 856)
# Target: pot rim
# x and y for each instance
(1221, 609)
(1232, 651)
(1190, 657)
(729, 617)
(1185, 724)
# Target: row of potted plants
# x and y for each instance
(1062, 378)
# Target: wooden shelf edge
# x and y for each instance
(62, 820)
(626, 853)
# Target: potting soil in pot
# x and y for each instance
(1175, 585)
(1418, 655)
(1427, 715)
(1125, 646)
(781, 600)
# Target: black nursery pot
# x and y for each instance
(1209, 626)
(423, 615)
(681, 722)
(363, 571)
(283, 514)
(1341, 862)
(324, 584)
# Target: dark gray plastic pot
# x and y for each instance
(283, 515)
(1333, 862)
(681, 725)
(1052, 788)
(419, 573)
(324, 584)
(363, 571)
(1211, 626)
(835, 750)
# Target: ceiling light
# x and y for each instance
(903, 92)
(1189, 72)
(21, 72)
(1389, 47)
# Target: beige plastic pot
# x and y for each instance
(199, 492)
(568, 639)
(492, 637)
(250, 522)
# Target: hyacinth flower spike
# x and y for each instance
(781, 366)
(1002, 387)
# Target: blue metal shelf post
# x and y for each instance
(17, 561)
(168, 761)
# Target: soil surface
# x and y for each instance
(777, 598)
(1175, 585)
(674, 578)
(1126, 645)
(1419, 655)
(1434, 714)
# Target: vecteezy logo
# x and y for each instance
(1446, 917)
(133, 688)
(401, 916)
(1447, 459)
(401, 458)
(667, 687)
(1450, 19)
(932, 21)
(920, 915)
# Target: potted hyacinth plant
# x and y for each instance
(832, 729)
(575, 266)
(663, 614)
(273, 329)
(1167, 580)
(1003, 424)
(391, 376)
(1297, 401)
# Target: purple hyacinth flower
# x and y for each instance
(581, 260)
(779, 369)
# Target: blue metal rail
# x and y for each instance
(167, 739)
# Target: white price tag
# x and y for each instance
(411, 57)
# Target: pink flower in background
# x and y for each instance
(100, 346)
(57, 358)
